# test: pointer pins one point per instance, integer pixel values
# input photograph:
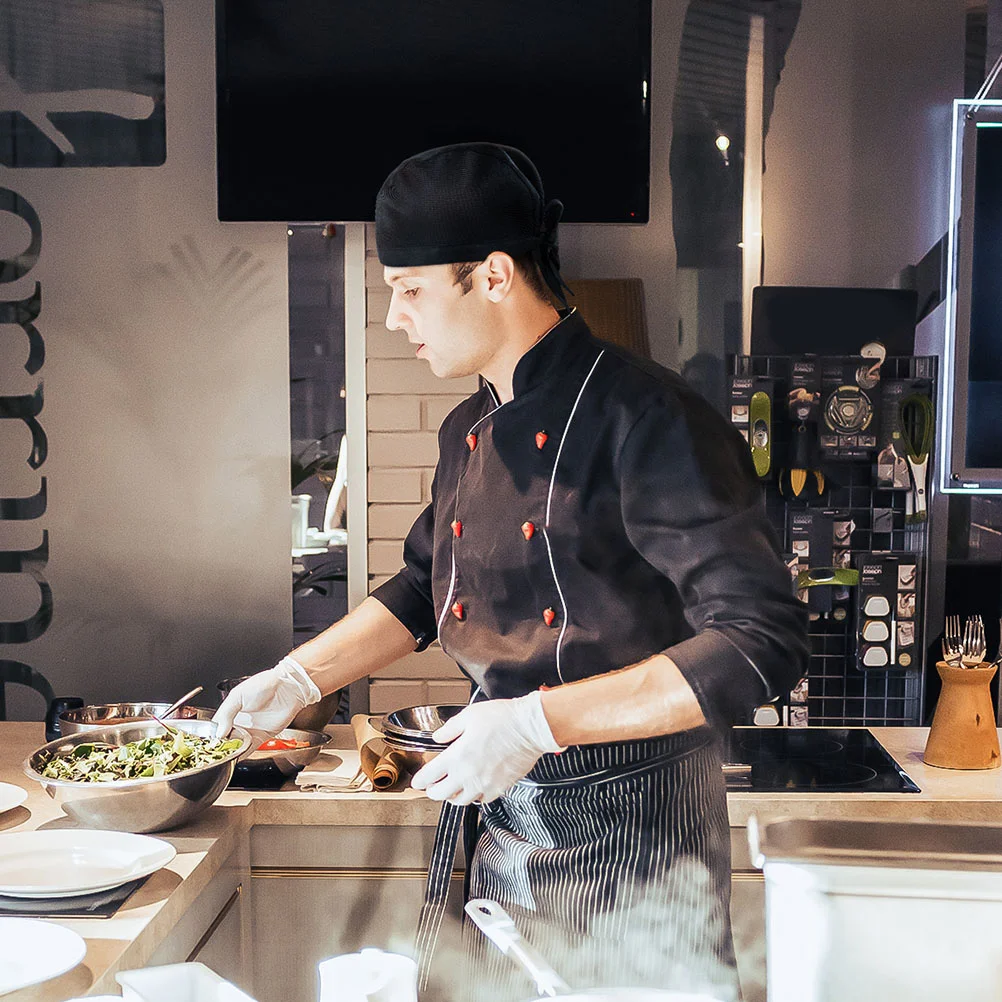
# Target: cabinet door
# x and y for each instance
(748, 926)
(221, 947)
(748, 917)
(301, 918)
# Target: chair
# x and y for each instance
(18, 673)
(334, 510)
(614, 310)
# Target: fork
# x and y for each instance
(975, 647)
(953, 647)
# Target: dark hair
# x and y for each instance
(525, 265)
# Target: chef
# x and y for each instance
(597, 559)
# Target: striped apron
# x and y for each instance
(613, 860)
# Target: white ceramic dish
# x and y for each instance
(192, 982)
(65, 862)
(11, 796)
(32, 951)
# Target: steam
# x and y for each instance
(672, 935)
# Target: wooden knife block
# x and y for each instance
(963, 734)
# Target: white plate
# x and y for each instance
(67, 862)
(11, 796)
(32, 951)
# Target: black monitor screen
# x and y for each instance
(318, 100)
(984, 388)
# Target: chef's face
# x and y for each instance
(452, 330)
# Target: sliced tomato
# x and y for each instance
(282, 744)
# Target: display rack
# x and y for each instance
(838, 693)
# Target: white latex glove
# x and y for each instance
(265, 703)
(494, 744)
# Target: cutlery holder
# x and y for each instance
(963, 734)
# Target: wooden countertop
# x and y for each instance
(129, 939)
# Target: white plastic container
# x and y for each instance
(300, 518)
(873, 911)
(369, 976)
(178, 983)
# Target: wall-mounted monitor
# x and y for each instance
(318, 100)
(971, 416)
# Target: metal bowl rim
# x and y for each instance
(72, 716)
(326, 739)
(88, 737)
(398, 744)
(389, 726)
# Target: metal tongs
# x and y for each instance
(497, 925)
(174, 706)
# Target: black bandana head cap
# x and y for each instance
(459, 203)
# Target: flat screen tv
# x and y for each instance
(971, 426)
(318, 100)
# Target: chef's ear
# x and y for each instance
(499, 271)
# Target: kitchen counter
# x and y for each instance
(134, 936)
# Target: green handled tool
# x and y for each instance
(915, 420)
(760, 418)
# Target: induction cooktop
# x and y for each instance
(811, 759)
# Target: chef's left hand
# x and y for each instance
(494, 744)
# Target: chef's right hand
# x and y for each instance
(265, 703)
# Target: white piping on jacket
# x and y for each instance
(549, 501)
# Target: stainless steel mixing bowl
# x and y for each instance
(137, 805)
(288, 761)
(88, 718)
(417, 724)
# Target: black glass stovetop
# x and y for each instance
(806, 759)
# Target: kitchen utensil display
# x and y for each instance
(868, 374)
(915, 417)
(802, 478)
(848, 410)
(11, 796)
(887, 612)
(64, 863)
(33, 951)
(963, 733)
(814, 577)
(877, 605)
(138, 805)
(875, 631)
(760, 432)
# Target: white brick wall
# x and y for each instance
(405, 406)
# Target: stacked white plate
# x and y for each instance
(11, 796)
(32, 951)
(70, 862)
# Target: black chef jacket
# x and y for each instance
(603, 515)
